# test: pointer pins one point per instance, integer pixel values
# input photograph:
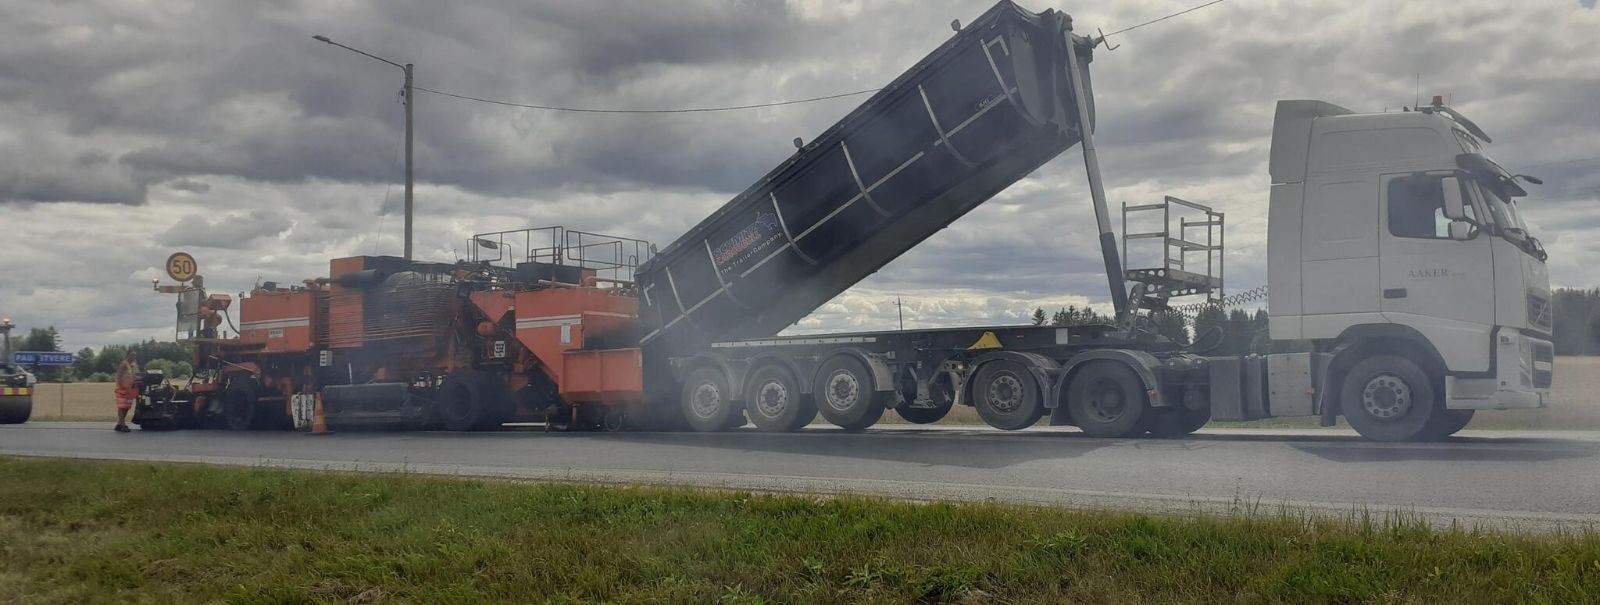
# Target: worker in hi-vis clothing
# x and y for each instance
(126, 375)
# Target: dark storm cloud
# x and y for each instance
(239, 89)
(270, 153)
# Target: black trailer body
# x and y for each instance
(982, 111)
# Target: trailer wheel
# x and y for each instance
(942, 396)
(845, 394)
(1107, 399)
(774, 402)
(1388, 398)
(1448, 422)
(239, 405)
(707, 402)
(1007, 396)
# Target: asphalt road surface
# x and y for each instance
(1522, 479)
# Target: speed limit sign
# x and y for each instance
(181, 266)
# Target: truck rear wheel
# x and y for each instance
(239, 405)
(774, 402)
(1179, 420)
(1007, 396)
(846, 395)
(1388, 398)
(1107, 399)
(707, 402)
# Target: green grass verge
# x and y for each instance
(85, 532)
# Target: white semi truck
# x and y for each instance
(1395, 245)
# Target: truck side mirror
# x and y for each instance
(1462, 230)
(1454, 208)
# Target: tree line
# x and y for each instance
(1213, 330)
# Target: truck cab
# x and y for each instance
(1396, 248)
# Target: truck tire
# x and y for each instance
(774, 402)
(846, 395)
(1388, 398)
(460, 406)
(1007, 396)
(1448, 422)
(239, 405)
(708, 403)
(16, 409)
(1107, 399)
(1179, 421)
(943, 397)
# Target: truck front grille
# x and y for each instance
(1544, 360)
(1540, 316)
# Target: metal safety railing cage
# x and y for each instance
(1191, 256)
(611, 258)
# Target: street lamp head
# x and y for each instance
(321, 38)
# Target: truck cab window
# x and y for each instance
(1416, 208)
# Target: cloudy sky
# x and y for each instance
(130, 129)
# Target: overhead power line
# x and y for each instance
(737, 107)
(677, 110)
(1182, 12)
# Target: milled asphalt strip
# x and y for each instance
(923, 491)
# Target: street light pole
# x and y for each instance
(408, 95)
(409, 98)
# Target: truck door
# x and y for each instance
(1442, 287)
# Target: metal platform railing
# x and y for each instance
(610, 257)
(1191, 261)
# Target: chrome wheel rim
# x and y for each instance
(772, 398)
(1386, 397)
(843, 391)
(1005, 393)
(1106, 403)
(706, 401)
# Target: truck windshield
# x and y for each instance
(1506, 216)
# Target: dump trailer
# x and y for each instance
(1400, 273)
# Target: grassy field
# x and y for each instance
(104, 532)
(1576, 406)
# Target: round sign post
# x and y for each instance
(181, 266)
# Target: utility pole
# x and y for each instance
(408, 95)
(899, 309)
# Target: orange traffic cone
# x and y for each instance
(319, 423)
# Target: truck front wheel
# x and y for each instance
(1107, 399)
(707, 402)
(1007, 396)
(1388, 398)
(1449, 422)
(845, 394)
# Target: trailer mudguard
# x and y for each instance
(1042, 368)
(882, 376)
(1144, 364)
